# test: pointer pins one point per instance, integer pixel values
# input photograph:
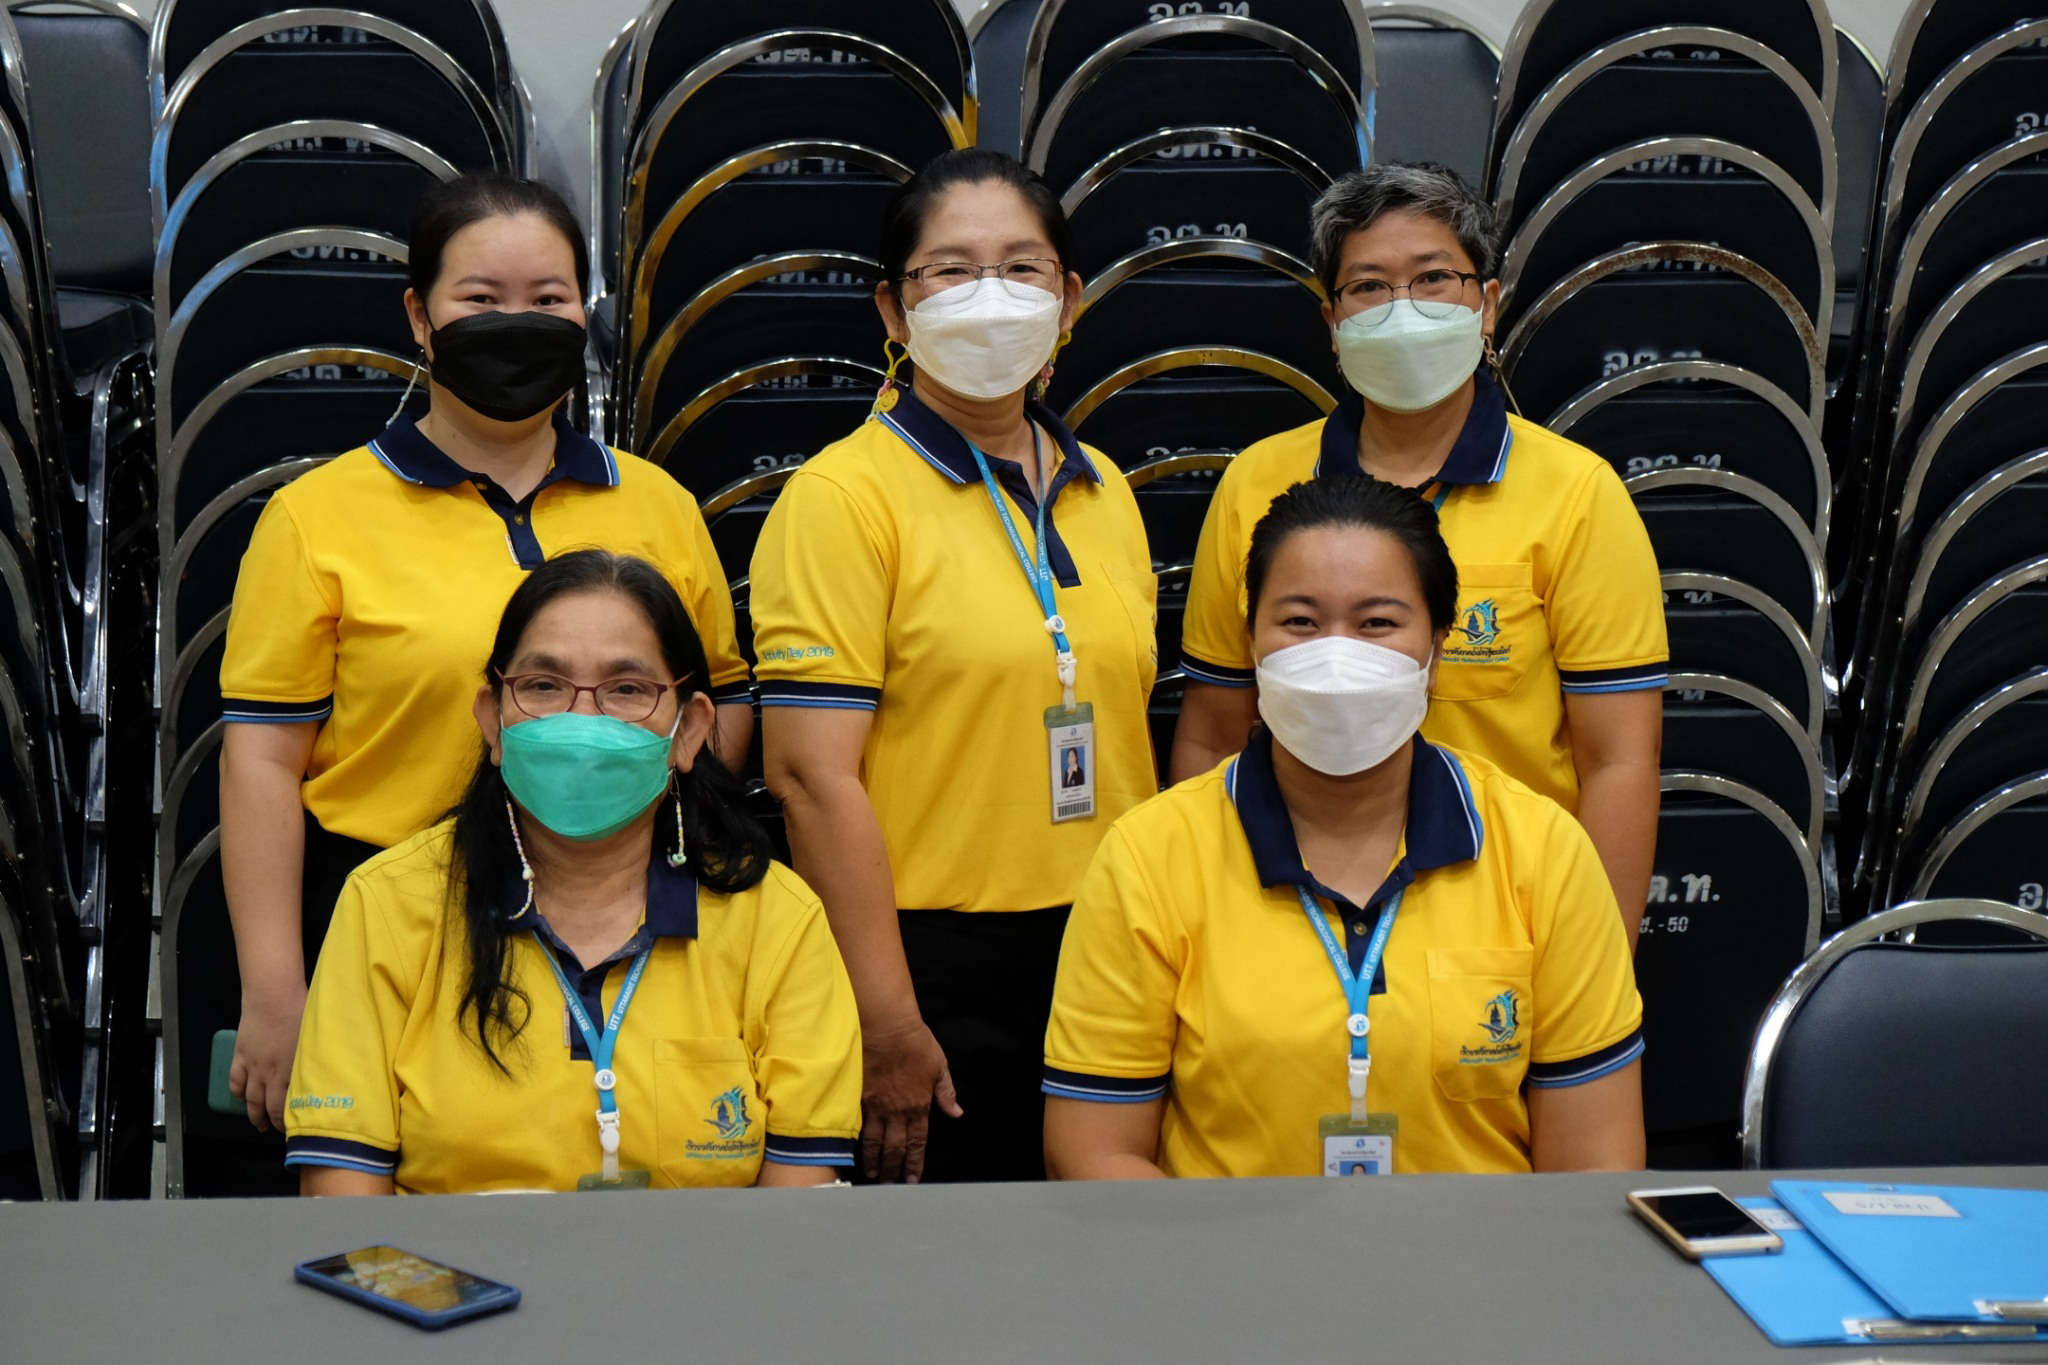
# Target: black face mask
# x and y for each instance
(509, 366)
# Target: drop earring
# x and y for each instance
(681, 856)
(1044, 380)
(410, 385)
(886, 396)
(525, 867)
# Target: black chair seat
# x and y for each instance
(1190, 306)
(770, 426)
(756, 326)
(1733, 907)
(260, 87)
(1206, 190)
(100, 327)
(1681, 198)
(1199, 408)
(273, 192)
(1640, 97)
(1628, 319)
(1165, 87)
(1707, 426)
(281, 305)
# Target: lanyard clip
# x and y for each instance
(1358, 1068)
(608, 1142)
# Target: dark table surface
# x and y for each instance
(1478, 1269)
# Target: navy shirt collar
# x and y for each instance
(946, 450)
(406, 452)
(671, 911)
(1479, 455)
(1443, 820)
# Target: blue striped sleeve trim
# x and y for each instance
(1641, 678)
(733, 694)
(276, 712)
(1215, 674)
(1591, 1067)
(811, 1151)
(339, 1153)
(1081, 1085)
(829, 696)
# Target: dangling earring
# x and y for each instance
(525, 867)
(885, 397)
(1044, 380)
(410, 385)
(681, 856)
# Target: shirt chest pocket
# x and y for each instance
(711, 1127)
(1138, 590)
(1481, 1021)
(1499, 633)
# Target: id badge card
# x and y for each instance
(628, 1180)
(1070, 746)
(1358, 1147)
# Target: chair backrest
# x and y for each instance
(1992, 637)
(1625, 93)
(1902, 1054)
(1436, 81)
(1708, 415)
(1712, 521)
(1206, 398)
(1859, 134)
(1552, 36)
(1721, 625)
(610, 143)
(1993, 745)
(1998, 310)
(1993, 418)
(1993, 849)
(88, 77)
(1068, 34)
(1725, 727)
(1256, 75)
(677, 37)
(1934, 34)
(467, 30)
(763, 418)
(999, 31)
(1656, 302)
(1675, 189)
(1735, 903)
(1996, 524)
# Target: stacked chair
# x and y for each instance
(755, 148)
(289, 149)
(1186, 151)
(73, 402)
(1666, 179)
(1950, 659)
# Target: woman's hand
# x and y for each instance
(265, 1041)
(903, 1074)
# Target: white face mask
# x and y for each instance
(987, 339)
(1341, 705)
(1407, 362)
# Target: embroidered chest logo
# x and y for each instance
(729, 1115)
(1501, 1019)
(1476, 638)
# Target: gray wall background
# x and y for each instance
(557, 45)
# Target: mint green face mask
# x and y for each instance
(585, 777)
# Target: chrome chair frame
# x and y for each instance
(1819, 785)
(1930, 333)
(1929, 769)
(1678, 780)
(1188, 357)
(1272, 148)
(1762, 603)
(1905, 918)
(1723, 481)
(663, 445)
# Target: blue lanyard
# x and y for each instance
(1357, 985)
(601, 1047)
(1038, 573)
(1443, 493)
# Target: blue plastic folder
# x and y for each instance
(1803, 1296)
(1934, 1252)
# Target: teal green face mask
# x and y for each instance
(585, 777)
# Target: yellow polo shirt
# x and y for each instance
(741, 1044)
(1557, 584)
(371, 592)
(1190, 971)
(883, 581)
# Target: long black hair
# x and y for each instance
(449, 207)
(1370, 504)
(903, 221)
(728, 851)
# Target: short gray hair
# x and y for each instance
(1358, 198)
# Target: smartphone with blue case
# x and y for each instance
(425, 1293)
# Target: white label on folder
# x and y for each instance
(1894, 1205)
(1776, 1220)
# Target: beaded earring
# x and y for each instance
(681, 856)
(885, 397)
(1044, 380)
(525, 867)
(410, 385)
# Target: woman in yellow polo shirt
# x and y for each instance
(598, 872)
(1556, 660)
(1348, 946)
(922, 676)
(365, 598)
